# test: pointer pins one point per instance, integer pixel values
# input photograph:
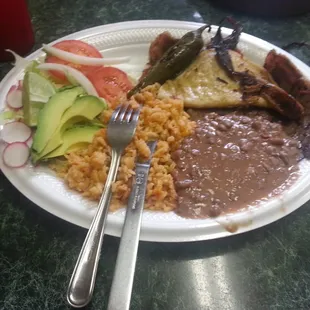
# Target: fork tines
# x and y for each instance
(124, 112)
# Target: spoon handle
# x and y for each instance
(121, 289)
(82, 282)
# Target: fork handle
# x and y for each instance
(82, 282)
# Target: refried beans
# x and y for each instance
(233, 160)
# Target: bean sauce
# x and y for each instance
(231, 161)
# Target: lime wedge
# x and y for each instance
(40, 88)
(36, 92)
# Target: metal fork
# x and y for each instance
(120, 131)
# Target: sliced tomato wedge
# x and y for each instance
(76, 47)
(110, 83)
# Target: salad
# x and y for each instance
(55, 108)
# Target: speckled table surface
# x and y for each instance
(268, 268)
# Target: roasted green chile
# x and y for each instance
(174, 61)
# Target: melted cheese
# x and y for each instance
(204, 84)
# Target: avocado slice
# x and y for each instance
(51, 114)
(84, 108)
(73, 139)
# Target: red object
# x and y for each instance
(15, 29)
(110, 83)
(76, 47)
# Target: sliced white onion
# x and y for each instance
(15, 155)
(83, 60)
(14, 98)
(70, 73)
(15, 132)
(20, 62)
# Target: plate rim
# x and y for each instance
(191, 233)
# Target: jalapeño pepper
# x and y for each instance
(174, 61)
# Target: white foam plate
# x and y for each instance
(42, 187)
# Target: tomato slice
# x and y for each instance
(110, 83)
(75, 47)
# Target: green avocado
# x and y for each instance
(73, 139)
(51, 114)
(84, 108)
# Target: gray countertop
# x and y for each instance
(268, 268)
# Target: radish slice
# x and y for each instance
(83, 60)
(29, 141)
(15, 155)
(20, 84)
(14, 98)
(15, 132)
(71, 73)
